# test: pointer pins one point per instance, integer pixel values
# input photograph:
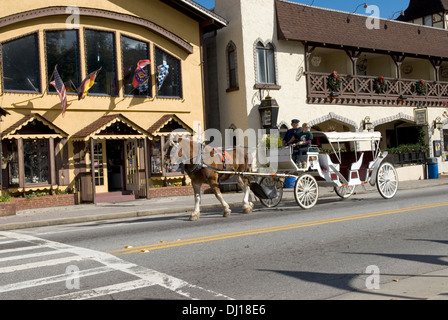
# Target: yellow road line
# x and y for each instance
(223, 236)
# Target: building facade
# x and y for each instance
(110, 139)
(335, 70)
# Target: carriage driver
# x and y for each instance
(289, 136)
(302, 142)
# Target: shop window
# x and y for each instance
(62, 49)
(98, 163)
(265, 63)
(156, 158)
(20, 63)
(36, 160)
(13, 165)
(132, 52)
(168, 75)
(100, 53)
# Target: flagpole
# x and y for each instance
(48, 81)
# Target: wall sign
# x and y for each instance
(421, 116)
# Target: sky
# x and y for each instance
(388, 8)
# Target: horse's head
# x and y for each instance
(171, 150)
(177, 151)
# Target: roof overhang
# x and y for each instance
(108, 127)
(337, 29)
(209, 20)
(23, 129)
(165, 125)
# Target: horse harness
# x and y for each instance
(198, 160)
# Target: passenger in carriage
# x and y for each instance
(302, 141)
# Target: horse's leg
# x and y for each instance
(226, 208)
(247, 205)
(197, 201)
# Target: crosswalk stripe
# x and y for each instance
(40, 264)
(32, 255)
(19, 249)
(102, 291)
(53, 279)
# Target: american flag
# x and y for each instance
(60, 88)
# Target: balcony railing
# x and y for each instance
(360, 90)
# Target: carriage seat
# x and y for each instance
(350, 163)
(353, 173)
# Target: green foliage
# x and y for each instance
(420, 87)
(270, 141)
(380, 85)
(5, 198)
(420, 146)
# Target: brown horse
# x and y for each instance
(202, 162)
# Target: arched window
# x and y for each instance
(265, 63)
(232, 69)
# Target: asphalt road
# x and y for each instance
(286, 253)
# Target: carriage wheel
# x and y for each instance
(306, 191)
(344, 191)
(272, 182)
(387, 180)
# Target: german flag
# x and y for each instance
(86, 84)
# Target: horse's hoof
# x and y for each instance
(194, 217)
(227, 213)
(249, 208)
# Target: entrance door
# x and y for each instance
(131, 158)
(115, 174)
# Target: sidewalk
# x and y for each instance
(433, 286)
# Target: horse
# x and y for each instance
(202, 163)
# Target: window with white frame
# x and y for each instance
(265, 63)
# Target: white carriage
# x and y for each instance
(341, 166)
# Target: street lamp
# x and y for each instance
(438, 123)
(367, 124)
(268, 112)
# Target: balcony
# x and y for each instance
(360, 90)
